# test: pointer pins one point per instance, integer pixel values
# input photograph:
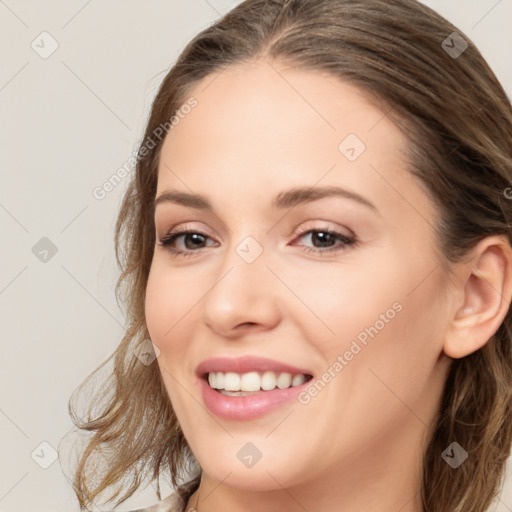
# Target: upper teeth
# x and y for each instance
(253, 381)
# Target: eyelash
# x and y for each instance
(170, 238)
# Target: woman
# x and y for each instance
(316, 246)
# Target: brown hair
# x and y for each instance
(458, 121)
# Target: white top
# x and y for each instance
(169, 504)
(173, 502)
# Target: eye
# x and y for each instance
(195, 240)
(324, 240)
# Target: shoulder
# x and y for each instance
(170, 504)
(177, 501)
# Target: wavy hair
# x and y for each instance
(457, 120)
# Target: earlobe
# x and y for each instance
(487, 291)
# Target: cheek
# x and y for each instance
(166, 305)
(349, 300)
(398, 364)
(389, 322)
(169, 300)
(172, 305)
(389, 379)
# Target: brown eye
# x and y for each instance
(324, 240)
(192, 240)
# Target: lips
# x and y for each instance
(242, 405)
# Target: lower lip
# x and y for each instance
(247, 407)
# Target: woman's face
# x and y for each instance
(341, 287)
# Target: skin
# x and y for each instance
(260, 129)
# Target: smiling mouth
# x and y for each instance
(243, 384)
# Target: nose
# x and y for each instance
(243, 296)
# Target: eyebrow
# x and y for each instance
(285, 199)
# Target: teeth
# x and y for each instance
(250, 381)
(298, 380)
(234, 384)
(232, 381)
(268, 381)
(284, 380)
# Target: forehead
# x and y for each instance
(277, 108)
(259, 126)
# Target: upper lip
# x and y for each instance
(246, 364)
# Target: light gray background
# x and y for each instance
(68, 122)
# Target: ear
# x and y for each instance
(485, 285)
